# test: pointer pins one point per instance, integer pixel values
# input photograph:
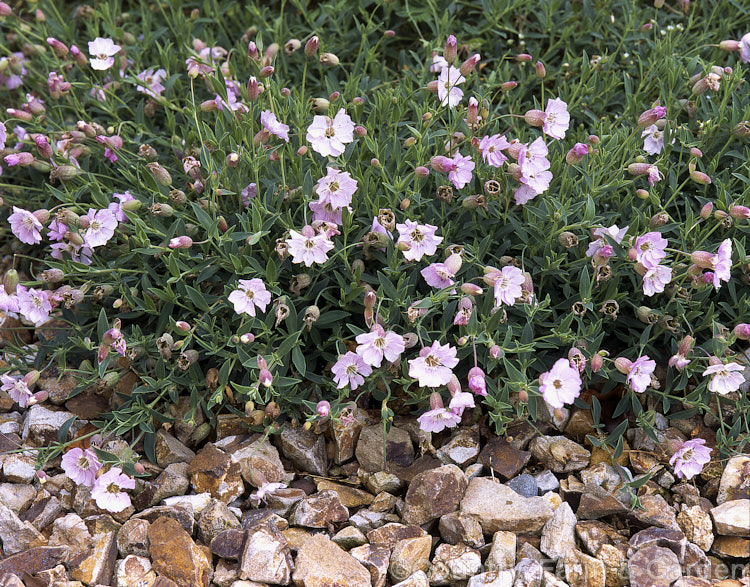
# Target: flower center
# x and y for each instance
(334, 186)
(351, 369)
(688, 455)
(558, 384)
(95, 225)
(309, 244)
(379, 342)
(330, 133)
(113, 488)
(432, 361)
(250, 294)
(417, 236)
(83, 463)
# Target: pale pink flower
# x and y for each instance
(379, 343)
(337, 188)
(689, 459)
(438, 418)
(745, 48)
(81, 466)
(725, 377)
(655, 279)
(653, 142)
(323, 408)
(25, 226)
(560, 385)
(248, 193)
(307, 247)
(461, 174)
(463, 312)
(418, 239)
(679, 361)
(3, 135)
(460, 401)
(434, 365)
(8, 302)
(271, 124)
(152, 82)
(250, 293)
(102, 225)
(33, 304)
(448, 91)
(438, 275)
(350, 370)
(537, 181)
(329, 137)
(723, 263)
(477, 382)
(438, 63)
(533, 157)
(492, 148)
(507, 285)
(653, 175)
(17, 389)
(639, 374)
(649, 249)
(103, 53)
(617, 234)
(325, 212)
(265, 490)
(108, 490)
(556, 119)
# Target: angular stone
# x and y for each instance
(456, 527)
(19, 468)
(16, 535)
(305, 449)
(345, 433)
(603, 475)
(214, 519)
(319, 510)
(594, 534)
(349, 537)
(169, 450)
(183, 515)
(434, 493)
(398, 448)
(695, 563)
(615, 564)
(462, 449)
(691, 582)
(171, 482)
(409, 556)
(33, 560)
(43, 511)
(424, 463)
(596, 503)
(732, 518)
(17, 496)
(453, 563)
(251, 518)
(656, 512)
(674, 540)
(226, 574)
(228, 544)
(582, 569)
(71, 531)
(97, 566)
(500, 508)
(529, 573)
(558, 534)
(382, 481)
(653, 566)
(524, 485)
(41, 425)
(696, 524)
(213, 471)
(176, 556)
(503, 458)
(384, 502)
(132, 538)
(350, 497)
(134, 571)
(366, 520)
(265, 556)
(418, 579)
(53, 575)
(261, 455)
(559, 454)
(502, 554)
(320, 563)
(735, 480)
(283, 500)
(197, 503)
(376, 559)
(505, 578)
(731, 546)
(391, 534)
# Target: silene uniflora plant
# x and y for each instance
(278, 216)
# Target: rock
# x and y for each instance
(213, 471)
(695, 563)
(319, 510)
(418, 579)
(53, 575)
(16, 535)
(615, 564)
(691, 582)
(731, 546)
(350, 497)
(349, 537)
(384, 502)
(732, 518)
(97, 566)
(228, 544)
(696, 524)
(500, 508)
(434, 493)
(197, 503)
(283, 500)
(251, 518)
(41, 426)
(215, 519)
(504, 578)
(320, 563)
(382, 481)
(226, 574)
(345, 433)
(503, 458)
(33, 560)
(409, 556)
(72, 532)
(528, 573)
(43, 511)
(132, 538)
(595, 534)
(370, 454)
(735, 480)
(305, 449)
(366, 520)
(176, 556)
(596, 503)
(603, 475)
(260, 455)
(169, 450)
(674, 540)
(453, 563)
(181, 514)
(376, 559)
(134, 571)
(502, 554)
(656, 512)
(559, 454)
(653, 566)
(558, 534)
(524, 485)
(171, 482)
(391, 534)
(265, 556)
(19, 468)
(17, 496)
(456, 527)
(462, 449)
(583, 570)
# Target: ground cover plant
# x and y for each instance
(459, 210)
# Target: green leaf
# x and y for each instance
(102, 324)
(149, 446)
(197, 298)
(62, 433)
(298, 359)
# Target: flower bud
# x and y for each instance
(52, 276)
(311, 47)
(496, 352)
(739, 212)
(700, 177)
(730, 45)
(477, 383)
(329, 59)
(421, 171)
(323, 409)
(623, 365)
(164, 210)
(5, 9)
(642, 194)
(10, 281)
(742, 331)
(60, 49)
(360, 131)
(265, 378)
(597, 361)
(252, 51)
(535, 118)
(469, 65)
(523, 396)
(507, 86)
(523, 57)
(462, 341)
(160, 174)
(181, 242)
(540, 70)
(474, 202)
(266, 71)
(577, 153)
(471, 289)
(453, 263)
(451, 49)
(650, 116)
(319, 105)
(182, 327)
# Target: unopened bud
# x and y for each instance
(642, 194)
(623, 365)
(541, 71)
(52, 276)
(597, 361)
(739, 212)
(182, 327)
(507, 86)
(469, 65)
(370, 299)
(535, 118)
(10, 281)
(160, 174)
(266, 71)
(496, 352)
(471, 289)
(329, 59)
(451, 49)
(706, 210)
(523, 57)
(742, 331)
(311, 47)
(700, 177)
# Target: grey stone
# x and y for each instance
(71, 531)
(582, 569)
(169, 450)
(16, 535)
(528, 573)
(319, 510)
(98, 565)
(504, 578)
(266, 556)
(41, 425)
(376, 559)
(349, 537)
(382, 481)
(462, 449)
(17, 496)
(134, 571)
(214, 519)
(305, 449)
(502, 554)
(696, 524)
(345, 433)
(558, 534)
(434, 493)
(132, 538)
(524, 485)
(409, 556)
(260, 455)
(19, 468)
(559, 454)
(735, 479)
(418, 579)
(453, 563)
(732, 518)
(653, 566)
(456, 527)
(546, 481)
(398, 448)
